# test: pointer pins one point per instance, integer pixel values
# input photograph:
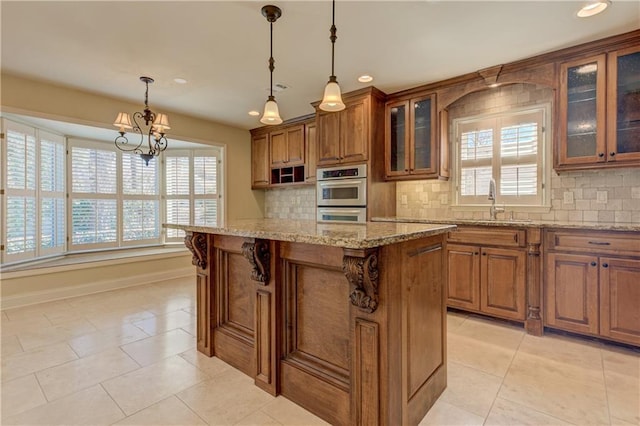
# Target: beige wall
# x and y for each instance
(36, 98)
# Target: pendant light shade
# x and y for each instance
(271, 115)
(332, 99)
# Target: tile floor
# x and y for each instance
(128, 357)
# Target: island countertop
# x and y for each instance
(352, 236)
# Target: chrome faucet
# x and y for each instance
(493, 211)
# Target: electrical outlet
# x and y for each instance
(403, 200)
(568, 197)
(601, 196)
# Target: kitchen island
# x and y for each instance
(347, 321)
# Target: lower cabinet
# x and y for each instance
(489, 280)
(592, 284)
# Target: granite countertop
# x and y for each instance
(355, 236)
(602, 226)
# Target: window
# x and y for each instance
(77, 194)
(34, 215)
(509, 148)
(191, 188)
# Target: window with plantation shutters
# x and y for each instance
(506, 147)
(140, 200)
(52, 193)
(191, 189)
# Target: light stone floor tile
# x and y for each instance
(621, 360)
(623, 396)
(259, 418)
(152, 349)
(35, 360)
(288, 413)
(117, 317)
(454, 320)
(191, 328)
(170, 411)
(564, 349)
(46, 309)
(91, 406)
(212, 366)
(498, 334)
(507, 413)
(444, 414)
(104, 339)
(4, 317)
(171, 305)
(21, 394)
(162, 323)
(475, 353)
(225, 399)
(139, 389)
(543, 385)
(470, 389)
(85, 372)
(59, 333)
(10, 346)
(12, 328)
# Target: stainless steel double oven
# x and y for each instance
(342, 194)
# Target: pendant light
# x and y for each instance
(271, 115)
(332, 99)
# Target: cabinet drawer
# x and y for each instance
(489, 236)
(594, 242)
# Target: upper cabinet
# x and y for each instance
(411, 149)
(346, 136)
(280, 155)
(599, 111)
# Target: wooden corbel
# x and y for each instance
(257, 253)
(362, 274)
(197, 245)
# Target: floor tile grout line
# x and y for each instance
(114, 401)
(189, 407)
(606, 388)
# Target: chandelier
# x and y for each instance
(155, 127)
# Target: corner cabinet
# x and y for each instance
(345, 136)
(260, 170)
(411, 150)
(486, 271)
(592, 283)
(599, 111)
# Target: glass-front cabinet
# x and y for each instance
(599, 111)
(411, 151)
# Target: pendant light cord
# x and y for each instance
(333, 36)
(271, 61)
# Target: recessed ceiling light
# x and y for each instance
(180, 80)
(254, 113)
(593, 8)
(365, 78)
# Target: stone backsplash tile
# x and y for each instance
(290, 203)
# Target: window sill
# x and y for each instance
(513, 208)
(74, 261)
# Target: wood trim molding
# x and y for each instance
(490, 75)
(257, 253)
(533, 322)
(362, 274)
(197, 245)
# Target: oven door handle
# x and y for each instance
(342, 211)
(353, 182)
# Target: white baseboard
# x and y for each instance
(33, 297)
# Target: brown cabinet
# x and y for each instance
(599, 111)
(260, 170)
(281, 155)
(592, 283)
(287, 146)
(343, 137)
(485, 278)
(311, 149)
(411, 150)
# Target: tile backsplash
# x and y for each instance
(290, 203)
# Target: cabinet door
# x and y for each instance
(502, 283)
(463, 275)
(581, 138)
(623, 108)
(397, 139)
(571, 292)
(260, 162)
(423, 137)
(354, 132)
(278, 148)
(295, 146)
(620, 299)
(328, 139)
(311, 157)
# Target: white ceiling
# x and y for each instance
(222, 48)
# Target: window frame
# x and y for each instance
(543, 165)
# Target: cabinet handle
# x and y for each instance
(601, 154)
(612, 154)
(599, 243)
(593, 263)
(406, 170)
(484, 254)
(476, 253)
(515, 238)
(605, 265)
